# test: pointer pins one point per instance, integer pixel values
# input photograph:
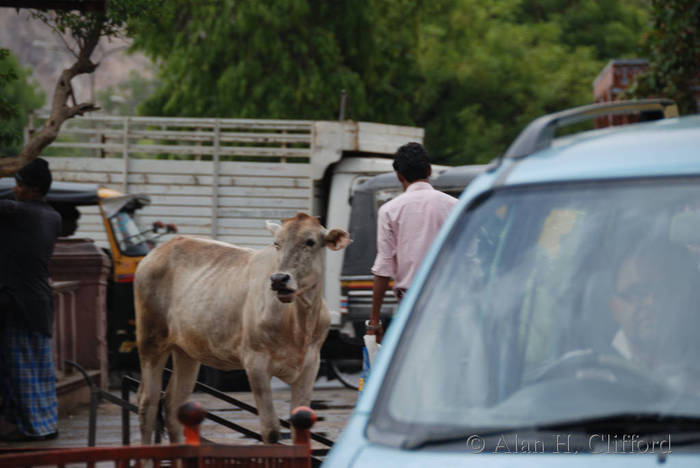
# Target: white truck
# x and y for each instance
(223, 178)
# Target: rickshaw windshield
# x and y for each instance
(129, 238)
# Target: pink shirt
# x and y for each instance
(406, 227)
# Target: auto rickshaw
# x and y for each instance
(356, 277)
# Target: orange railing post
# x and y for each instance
(191, 414)
(303, 418)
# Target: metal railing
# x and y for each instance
(130, 384)
(190, 454)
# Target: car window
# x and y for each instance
(551, 304)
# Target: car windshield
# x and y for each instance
(554, 304)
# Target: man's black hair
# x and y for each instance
(35, 174)
(411, 161)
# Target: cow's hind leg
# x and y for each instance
(180, 387)
(149, 394)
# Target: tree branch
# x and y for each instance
(60, 111)
(9, 166)
(80, 109)
(63, 39)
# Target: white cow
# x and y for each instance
(204, 301)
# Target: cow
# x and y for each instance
(204, 301)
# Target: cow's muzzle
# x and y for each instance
(280, 283)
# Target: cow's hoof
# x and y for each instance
(271, 437)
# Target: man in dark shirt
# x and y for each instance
(29, 228)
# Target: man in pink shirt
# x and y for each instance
(406, 227)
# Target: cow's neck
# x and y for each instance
(306, 311)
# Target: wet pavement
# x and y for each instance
(332, 403)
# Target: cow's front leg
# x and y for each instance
(303, 386)
(259, 378)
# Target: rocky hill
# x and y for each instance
(43, 51)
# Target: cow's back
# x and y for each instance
(181, 290)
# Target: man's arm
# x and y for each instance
(384, 269)
(379, 287)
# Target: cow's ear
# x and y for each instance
(272, 227)
(337, 239)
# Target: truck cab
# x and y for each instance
(356, 278)
(344, 347)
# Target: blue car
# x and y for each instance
(556, 319)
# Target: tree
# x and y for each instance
(488, 74)
(282, 59)
(7, 110)
(473, 73)
(81, 32)
(612, 28)
(18, 97)
(492, 66)
(125, 98)
(673, 50)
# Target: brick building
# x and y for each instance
(615, 77)
(611, 82)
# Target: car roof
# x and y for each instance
(660, 148)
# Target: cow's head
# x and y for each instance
(300, 242)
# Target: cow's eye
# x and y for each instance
(310, 242)
(277, 245)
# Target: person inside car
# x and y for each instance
(634, 305)
(654, 302)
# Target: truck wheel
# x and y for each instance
(347, 371)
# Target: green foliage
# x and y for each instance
(490, 74)
(7, 75)
(81, 26)
(284, 59)
(673, 50)
(472, 72)
(18, 97)
(612, 28)
(125, 98)
(80, 31)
